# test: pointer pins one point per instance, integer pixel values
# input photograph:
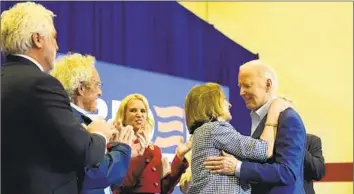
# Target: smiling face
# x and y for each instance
(91, 92)
(136, 114)
(225, 104)
(254, 88)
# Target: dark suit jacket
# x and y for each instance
(314, 162)
(110, 171)
(283, 173)
(42, 143)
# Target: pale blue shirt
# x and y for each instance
(256, 117)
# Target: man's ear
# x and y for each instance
(269, 85)
(80, 90)
(38, 41)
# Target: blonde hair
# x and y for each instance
(264, 70)
(203, 103)
(121, 113)
(72, 70)
(20, 22)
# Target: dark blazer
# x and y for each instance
(314, 162)
(283, 173)
(42, 143)
(110, 171)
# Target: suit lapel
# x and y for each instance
(259, 130)
(82, 118)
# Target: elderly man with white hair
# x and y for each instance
(42, 143)
(82, 82)
(283, 172)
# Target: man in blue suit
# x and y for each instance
(283, 172)
(82, 83)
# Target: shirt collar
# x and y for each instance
(79, 109)
(263, 110)
(31, 59)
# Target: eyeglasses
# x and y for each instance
(97, 83)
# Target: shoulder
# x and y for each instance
(312, 138)
(47, 79)
(45, 83)
(153, 150)
(290, 115)
(219, 126)
(216, 124)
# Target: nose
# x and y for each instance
(56, 46)
(139, 114)
(99, 92)
(242, 91)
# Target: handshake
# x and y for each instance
(114, 132)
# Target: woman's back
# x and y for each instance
(203, 181)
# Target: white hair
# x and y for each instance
(72, 70)
(264, 71)
(20, 22)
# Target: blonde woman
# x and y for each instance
(207, 116)
(146, 172)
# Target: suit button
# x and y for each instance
(156, 184)
(153, 168)
(147, 160)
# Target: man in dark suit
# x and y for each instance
(42, 143)
(83, 85)
(283, 172)
(314, 162)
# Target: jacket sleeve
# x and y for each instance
(289, 150)
(226, 138)
(314, 160)
(169, 182)
(111, 170)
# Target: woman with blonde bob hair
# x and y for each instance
(148, 172)
(207, 116)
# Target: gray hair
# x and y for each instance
(20, 22)
(264, 71)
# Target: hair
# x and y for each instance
(121, 113)
(264, 70)
(203, 104)
(20, 22)
(73, 70)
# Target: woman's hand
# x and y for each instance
(183, 148)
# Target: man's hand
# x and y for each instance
(100, 126)
(125, 135)
(224, 164)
